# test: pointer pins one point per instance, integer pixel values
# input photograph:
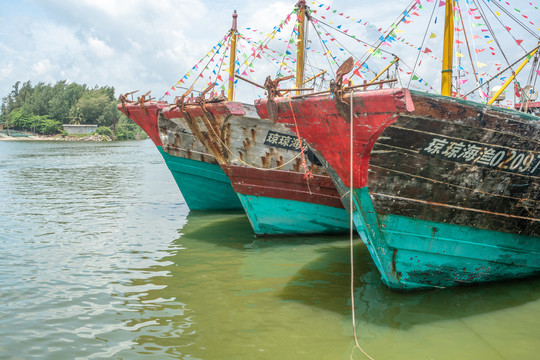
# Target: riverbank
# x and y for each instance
(29, 137)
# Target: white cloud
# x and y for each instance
(42, 68)
(149, 45)
(100, 48)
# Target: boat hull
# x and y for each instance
(264, 163)
(281, 202)
(445, 191)
(414, 254)
(275, 216)
(203, 184)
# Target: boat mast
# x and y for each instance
(232, 56)
(448, 53)
(301, 43)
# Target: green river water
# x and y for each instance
(101, 259)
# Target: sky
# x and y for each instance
(148, 45)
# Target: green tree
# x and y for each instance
(64, 97)
(95, 107)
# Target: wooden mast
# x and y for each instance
(301, 43)
(232, 57)
(448, 53)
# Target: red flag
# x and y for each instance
(519, 42)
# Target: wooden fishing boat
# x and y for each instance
(264, 162)
(444, 191)
(282, 189)
(192, 167)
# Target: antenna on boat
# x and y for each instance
(448, 52)
(301, 43)
(234, 32)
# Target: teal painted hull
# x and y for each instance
(204, 186)
(273, 216)
(414, 254)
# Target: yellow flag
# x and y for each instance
(496, 12)
(432, 36)
(480, 64)
(459, 55)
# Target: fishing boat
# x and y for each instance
(443, 191)
(282, 187)
(204, 186)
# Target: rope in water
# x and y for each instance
(351, 225)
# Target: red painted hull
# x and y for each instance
(320, 124)
(283, 185)
(146, 118)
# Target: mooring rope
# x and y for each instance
(351, 226)
(240, 160)
(307, 174)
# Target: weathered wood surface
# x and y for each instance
(457, 163)
(178, 140)
(237, 138)
(290, 185)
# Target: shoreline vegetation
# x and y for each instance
(58, 137)
(38, 112)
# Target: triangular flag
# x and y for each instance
(432, 36)
(459, 55)
(519, 42)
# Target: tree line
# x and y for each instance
(44, 108)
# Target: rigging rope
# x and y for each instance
(307, 174)
(240, 160)
(468, 47)
(488, 25)
(435, 6)
(351, 226)
(515, 19)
